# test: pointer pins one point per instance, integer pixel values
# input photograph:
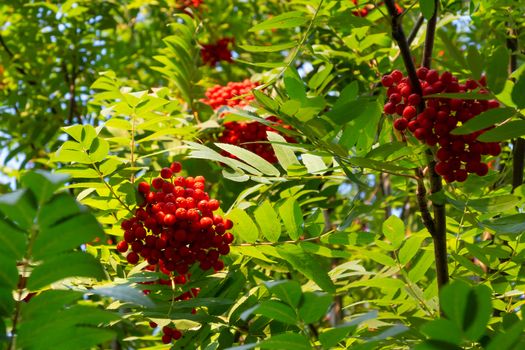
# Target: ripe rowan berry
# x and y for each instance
(400, 124)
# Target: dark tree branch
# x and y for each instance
(518, 157)
(429, 38)
(399, 35)
(11, 56)
(437, 225)
(415, 30)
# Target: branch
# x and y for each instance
(11, 56)
(436, 226)
(415, 30)
(399, 35)
(429, 38)
(518, 157)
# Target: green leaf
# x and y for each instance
(98, 150)
(319, 78)
(285, 155)
(268, 221)
(265, 101)
(444, 330)
(518, 91)
(437, 345)
(288, 291)
(494, 204)
(243, 225)
(286, 341)
(507, 224)
(285, 20)
(314, 306)
(275, 310)
(427, 8)
(313, 163)
(292, 217)
(484, 120)
(307, 264)
(19, 207)
(268, 48)
(124, 293)
(507, 131)
(13, 241)
(394, 231)
(330, 337)
(59, 208)
(251, 251)
(479, 312)
(251, 158)
(475, 62)
(43, 183)
(410, 248)
(8, 272)
(378, 165)
(468, 308)
(509, 339)
(67, 235)
(7, 304)
(75, 264)
(497, 71)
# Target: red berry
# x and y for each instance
(420, 134)
(389, 108)
(395, 98)
(157, 183)
(143, 187)
(132, 258)
(441, 168)
(482, 169)
(432, 76)
(166, 338)
(409, 112)
(422, 73)
(176, 167)
(387, 81)
(400, 124)
(176, 334)
(228, 224)
(460, 175)
(396, 75)
(169, 219)
(122, 246)
(414, 99)
(166, 173)
(443, 154)
(167, 330)
(152, 324)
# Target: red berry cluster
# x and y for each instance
(363, 12)
(175, 226)
(359, 12)
(211, 54)
(457, 155)
(189, 3)
(249, 135)
(168, 333)
(218, 96)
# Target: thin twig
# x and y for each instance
(415, 30)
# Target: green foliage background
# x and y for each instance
(330, 249)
